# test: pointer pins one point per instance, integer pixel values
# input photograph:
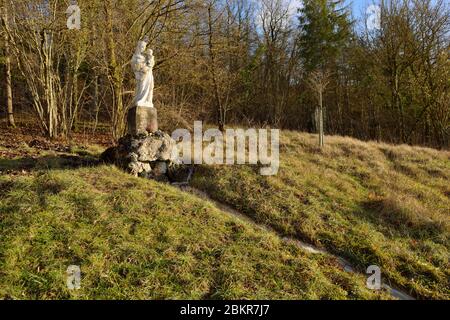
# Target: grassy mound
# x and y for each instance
(374, 204)
(137, 239)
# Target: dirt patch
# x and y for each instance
(16, 142)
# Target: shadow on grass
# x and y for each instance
(402, 218)
(47, 163)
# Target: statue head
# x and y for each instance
(142, 45)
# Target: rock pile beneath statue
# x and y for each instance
(152, 155)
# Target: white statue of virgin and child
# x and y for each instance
(142, 63)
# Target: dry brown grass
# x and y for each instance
(372, 203)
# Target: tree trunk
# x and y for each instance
(49, 85)
(115, 74)
(9, 102)
(96, 102)
(321, 133)
(220, 110)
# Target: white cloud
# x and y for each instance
(294, 5)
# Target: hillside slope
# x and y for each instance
(374, 204)
(139, 239)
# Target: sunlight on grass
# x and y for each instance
(371, 203)
(138, 239)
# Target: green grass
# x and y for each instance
(139, 239)
(373, 204)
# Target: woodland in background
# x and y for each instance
(244, 62)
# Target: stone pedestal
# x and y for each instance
(142, 120)
(149, 155)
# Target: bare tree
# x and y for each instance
(8, 81)
(32, 38)
(212, 66)
(318, 82)
(278, 63)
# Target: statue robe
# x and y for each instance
(143, 70)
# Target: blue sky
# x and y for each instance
(358, 7)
